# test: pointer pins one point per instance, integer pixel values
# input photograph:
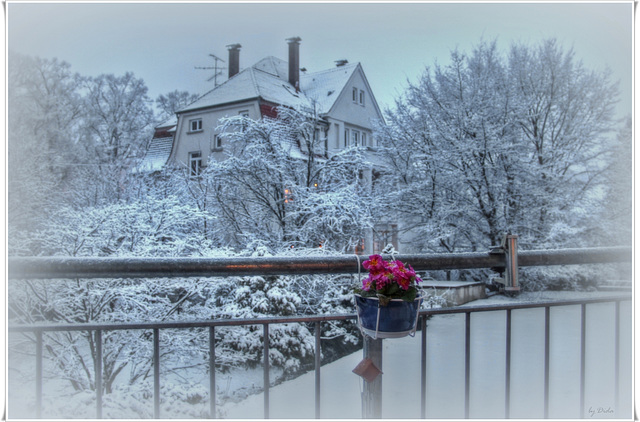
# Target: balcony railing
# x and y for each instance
(56, 268)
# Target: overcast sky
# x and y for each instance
(163, 42)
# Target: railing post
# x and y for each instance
(583, 326)
(547, 362)
(212, 372)
(265, 357)
(507, 370)
(98, 370)
(39, 374)
(423, 369)
(467, 364)
(318, 364)
(372, 392)
(512, 284)
(156, 373)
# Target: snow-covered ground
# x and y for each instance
(340, 388)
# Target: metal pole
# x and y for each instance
(265, 358)
(98, 370)
(156, 373)
(511, 264)
(105, 267)
(39, 374)
(423, 369)
(318, 363)
(372, 393)
(467, 364)
(212, 372)
(507, 371)
(547, 328)
(616, 358)
(583, 323)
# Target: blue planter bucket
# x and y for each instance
(398, 319)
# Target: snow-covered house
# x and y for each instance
(341, 97)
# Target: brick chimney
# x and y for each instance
(294, 61)
(234, 59)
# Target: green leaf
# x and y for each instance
(410, 295)
(384, 300)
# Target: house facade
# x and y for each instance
(341, 97)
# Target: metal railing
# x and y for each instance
(81, 267)
(56, 268)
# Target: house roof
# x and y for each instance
(324, 87)
(157, 154)
(268, 80)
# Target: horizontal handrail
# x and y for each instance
(108, 267)
(294, 319)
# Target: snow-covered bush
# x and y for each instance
(291, 345)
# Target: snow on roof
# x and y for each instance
(324, 87)
(240, 87)
(157, 155)
(268, 79)
(172, 121)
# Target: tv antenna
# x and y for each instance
(216, 69)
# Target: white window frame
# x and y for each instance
(354, 95)
(347, 139)
(355, 137)
(364, 139)
(216, 142)
(195, 163)
(198, 125)
(361, 98)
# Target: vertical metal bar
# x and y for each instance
(547, 325)
(212, 372)
(507, 369)
(511, 265)
(423, 369)
(156, 373)
(372, 392)
(467, 363)
(583, 321)
(98, 371)
(38, 374)
(318, 362)
(616, 357)
(265, 357)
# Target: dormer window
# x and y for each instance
(195, 125)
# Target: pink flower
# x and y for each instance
(383, 273)
(375, 264)
(366, 284)
(382, 279)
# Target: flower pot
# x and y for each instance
(397, 319)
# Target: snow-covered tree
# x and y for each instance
(44, 119)
(492, 143)
(279, 186)
(120, 116)
(565, 112)
(171, 102)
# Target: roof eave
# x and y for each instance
(228, 103)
